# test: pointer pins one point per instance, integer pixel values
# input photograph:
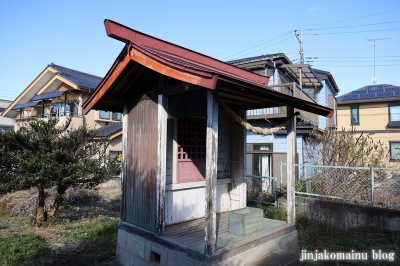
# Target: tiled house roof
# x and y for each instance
(371, 93)
(109, 129)
(254, 58)
(81, 79)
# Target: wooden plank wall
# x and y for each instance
(141, 164)
(224, 133)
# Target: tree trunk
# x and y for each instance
(41, 215)
(57, 201)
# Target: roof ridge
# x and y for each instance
(70, 69)
(252, 58)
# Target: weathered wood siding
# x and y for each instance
(237, 164)
(211, 175)
(224, 134)
(141, 164)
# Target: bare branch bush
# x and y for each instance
(345, 148)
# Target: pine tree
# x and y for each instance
(44, 154)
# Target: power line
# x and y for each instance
(355, 26)
(355, 18)
(358, 50)
(260, 48)
(345, 57)
(345, 65)
(346, 32)
(269, 40)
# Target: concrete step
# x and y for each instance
(278, 258)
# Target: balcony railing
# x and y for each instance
(290, 89)
(47, 111)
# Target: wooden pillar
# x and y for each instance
(161, 164)
(123, 163)
(211, 175)
(243, 164)
(291, 160)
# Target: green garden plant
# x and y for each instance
(42, 154)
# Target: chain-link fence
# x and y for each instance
(365, 185)
(261, 189)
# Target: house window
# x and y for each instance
(59, 109)
(259, 159)
(355, 115)
(115, 154)
(116, 116)
(394, 113)
(104, 114)
(394, 150)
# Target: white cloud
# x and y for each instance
(314, 8)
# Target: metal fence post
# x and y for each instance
(305, 177)
(372, 186)
(280, 165)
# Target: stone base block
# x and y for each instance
(245, 222)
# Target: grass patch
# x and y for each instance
(19, 247)
(83, 231)
(314, 235)
(98, 228)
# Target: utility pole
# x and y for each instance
(373, 40)
(300, 39)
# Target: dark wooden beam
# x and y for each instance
(115, 100)
(254, 97)
(132, 76)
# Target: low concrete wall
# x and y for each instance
(346, 215)
(133, 249)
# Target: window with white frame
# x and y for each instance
(394, 150)
(104, 115)
(394, 113)
(259, 159)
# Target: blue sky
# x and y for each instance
(71, 33)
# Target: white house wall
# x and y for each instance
(253, 138)
(280, 146)
(323, 99)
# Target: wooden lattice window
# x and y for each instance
(191, 149)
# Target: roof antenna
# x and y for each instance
(374, 78)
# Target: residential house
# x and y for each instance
(5, 122)
(265, 153)
(60, 92)
(373, 110)
(183, 169)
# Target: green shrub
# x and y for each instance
(276, 213)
